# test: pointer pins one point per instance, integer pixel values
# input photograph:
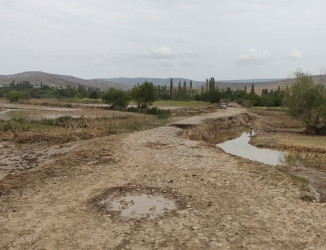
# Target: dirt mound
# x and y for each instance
(212, 128)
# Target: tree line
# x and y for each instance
(24, 90)
(210, 92)
(182, 91)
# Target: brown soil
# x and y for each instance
(230, 202)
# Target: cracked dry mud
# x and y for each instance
(230, 202)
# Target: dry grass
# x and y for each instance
(292, 141)
(276, 121)
(65, 129)
(283, 132)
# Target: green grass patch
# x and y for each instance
(181, 104)
(21, 125)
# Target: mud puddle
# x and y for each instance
(137, 204)
(309, 166)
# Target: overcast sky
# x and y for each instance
(227, 39)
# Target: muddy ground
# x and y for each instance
(225, 202)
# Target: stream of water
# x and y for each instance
(241, 147)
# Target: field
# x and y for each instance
(57, 173)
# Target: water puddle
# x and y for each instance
(137, 205)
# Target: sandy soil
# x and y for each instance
(230, 203)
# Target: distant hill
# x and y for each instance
(54, 80)
(254, 80)
(260, 84)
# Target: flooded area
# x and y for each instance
(306, 165)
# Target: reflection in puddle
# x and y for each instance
(296, 159)
(241, 147)
(139, 206)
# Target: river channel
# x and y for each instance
(309, 166)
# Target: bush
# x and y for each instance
(15, 96)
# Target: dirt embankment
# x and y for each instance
(216, 129)
(229, 203)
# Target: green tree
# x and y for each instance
(144, 94)
(212, 84)
(252, 91)
(184, 90)
(307, 101)
(117, 98)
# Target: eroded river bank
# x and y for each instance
(235, 135)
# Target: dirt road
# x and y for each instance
(227, 202)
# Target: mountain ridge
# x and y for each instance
(57, 80)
